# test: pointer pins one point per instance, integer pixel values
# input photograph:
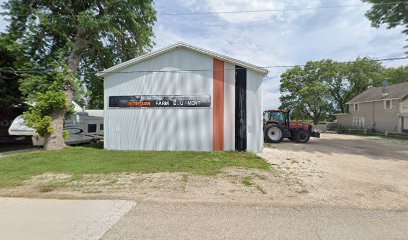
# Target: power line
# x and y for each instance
(275, 10)
(266, 67)
(17, 72)
(376, 60)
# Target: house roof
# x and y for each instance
(170, 48)
(396, 91)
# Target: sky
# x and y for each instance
(276, 38)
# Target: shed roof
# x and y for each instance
(156, 53)
(396, 91)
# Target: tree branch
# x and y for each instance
(100, 7)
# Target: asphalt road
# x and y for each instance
(214, 221)
(96, 219)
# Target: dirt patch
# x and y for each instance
(232, 185)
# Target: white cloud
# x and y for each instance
(282, 38)
(253, 5)
(165, 37)
(277, 38)
(3, 22)
(270, 93)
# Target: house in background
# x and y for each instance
(381, 109)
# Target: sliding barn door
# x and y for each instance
(240, 109)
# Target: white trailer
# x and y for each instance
(83, 127)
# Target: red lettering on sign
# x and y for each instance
(138, 104)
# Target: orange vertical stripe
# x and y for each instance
(218, 106)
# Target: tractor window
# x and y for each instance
(279, 117)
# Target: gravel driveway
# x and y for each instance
(347, 171)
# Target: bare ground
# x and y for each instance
(336, 170)
(348, 171)
(233, 185)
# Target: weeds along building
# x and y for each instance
(183, 98)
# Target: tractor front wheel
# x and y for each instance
(302, 136)
(273, 133)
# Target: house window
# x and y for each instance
(358, 122)
(388, 104)
(355, 119)
(356, 107)
(405, 124)
(101, 127)
(361, 122)
(91, 128)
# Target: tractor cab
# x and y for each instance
(277, 116)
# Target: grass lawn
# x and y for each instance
(91, 159)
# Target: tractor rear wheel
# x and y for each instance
(273, 133)
(302, 136)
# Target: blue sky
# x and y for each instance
(276, 38)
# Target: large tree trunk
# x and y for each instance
(55, 140)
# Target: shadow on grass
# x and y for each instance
(13, 147)
(98, 145)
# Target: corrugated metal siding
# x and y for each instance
(254, 112)
(161, 129)
(229, 107)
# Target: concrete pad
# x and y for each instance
(59, 219)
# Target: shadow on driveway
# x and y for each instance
(370, 147)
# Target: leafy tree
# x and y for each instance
(11, 102)
(324, 87)
(304, 92)
(396, 75)
(9, 92)
(388, 12)
(70, 40)
(347, 80)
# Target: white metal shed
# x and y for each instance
(183, 98)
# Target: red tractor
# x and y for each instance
(277, 126)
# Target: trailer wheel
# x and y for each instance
(302, 136)
(273, 133)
